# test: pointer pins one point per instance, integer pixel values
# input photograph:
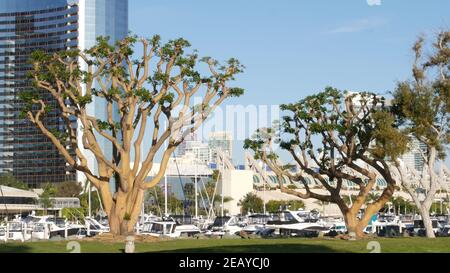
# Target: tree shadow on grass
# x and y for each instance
(13, 248)
(255, 249)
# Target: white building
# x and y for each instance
(413, 159)
(14, 201)
(222, 141)
(193, 147)
(235, 184)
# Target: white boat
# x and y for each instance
(335, 224)
(419, 227)
(94, 227)
(187, 230)
(163, 228)
(256, 224)
(46, 227)
(173, 227)
(226, 225)
(298, 223)
(337, 229)
(185, 225)
(3, 233)
(15, 231)
(41, 231)
(387, 225)
(444, 231)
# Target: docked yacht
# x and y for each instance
(159, 229)
(419, 227)
(173, 227)
(444, 231)
(93, 227)
(16, 231)
(444, 226)
(224, 225)
(2, 233)
(337, 228)
(392, 225)
(298, 223)
(46, 227)
(256, 224)
(185, 225)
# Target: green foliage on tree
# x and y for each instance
(274, 206)
(422, 109)
(335, 136)
(251, 203)
(154, 202)
(141, 92)
(95, 203)
(9, 180)
(45, 199)
(74, 214)
(401, 205)
(423, 105)
(68, 189)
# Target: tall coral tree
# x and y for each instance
(423, 107)
(139, 95)
(336, 137)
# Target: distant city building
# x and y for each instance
(199, 150)
(414, 158)
(220, 141)
(181, 149)
(51, 26)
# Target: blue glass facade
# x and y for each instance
(35, 6)
(108, 18)
(25, 26)
(49, 25)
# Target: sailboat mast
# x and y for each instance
(165, 179)
(264, 190)
(89, 201)
(223, 171)
(196, 193)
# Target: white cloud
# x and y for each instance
(361, 25)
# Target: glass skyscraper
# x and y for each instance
(49, 25)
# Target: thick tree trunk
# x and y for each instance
(354, 226)
(124, 213)
(357, 226)
(424, 210)
(425, 205)
(428, 224)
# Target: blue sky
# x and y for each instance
(293, 48)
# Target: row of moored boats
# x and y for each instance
(286, 223)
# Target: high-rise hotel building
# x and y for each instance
(49, 25)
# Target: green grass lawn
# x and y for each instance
(294, 245)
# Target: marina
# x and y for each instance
(285, 224)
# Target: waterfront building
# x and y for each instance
(17, 201)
